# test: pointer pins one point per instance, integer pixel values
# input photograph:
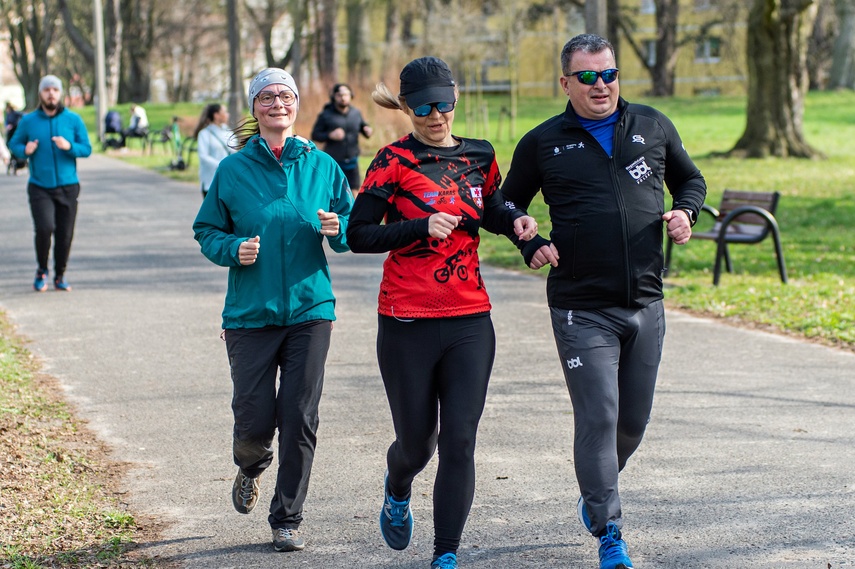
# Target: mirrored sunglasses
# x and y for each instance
(590, 77)
(425, 110)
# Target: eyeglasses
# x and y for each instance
(425, 110)
(590, 77)
(266, 98)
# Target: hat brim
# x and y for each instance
(442, 94)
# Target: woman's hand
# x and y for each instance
(440, 224)
(248, 250)
(330, 225)
(525, 227)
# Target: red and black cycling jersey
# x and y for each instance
(406, 183)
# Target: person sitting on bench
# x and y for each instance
(138, 127)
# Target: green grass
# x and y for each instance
(816, 213)
(60, 506)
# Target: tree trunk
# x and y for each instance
(112, 44)
(842, 74)
(662, 73)
(778, 32)
(357, 59)
(138, 21)
(31, 25)
(328, 38)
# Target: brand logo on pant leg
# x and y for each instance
(574, 363)
(569, 317)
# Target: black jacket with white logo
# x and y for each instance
(606, 211)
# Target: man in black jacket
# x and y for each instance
(603, 166)
(338, 126)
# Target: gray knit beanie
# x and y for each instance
(50, 81)
(270, 76)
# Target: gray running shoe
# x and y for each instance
(245, 492)
(287, 539)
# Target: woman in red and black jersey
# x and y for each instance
(423, 200)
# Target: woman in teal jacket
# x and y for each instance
(265, 216)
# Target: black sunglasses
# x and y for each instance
(425, 110)
(590, 77)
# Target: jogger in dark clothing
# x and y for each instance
(54, 213)
(425, 361)
(255, 356)
(435, 341)
(603, 167)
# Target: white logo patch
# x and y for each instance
(569, 317)
(574, 363)
(638, 138)
(575, 146)
(639, 170)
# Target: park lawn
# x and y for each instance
(816, 213)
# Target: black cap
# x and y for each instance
(427, 80)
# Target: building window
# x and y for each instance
(650, 52)
(648, 7)
(708, 50)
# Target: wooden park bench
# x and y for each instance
(742, 217)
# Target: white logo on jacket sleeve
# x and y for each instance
(639, 170)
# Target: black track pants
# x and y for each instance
(436, 372)
(610, 359)
(255, 356)
(54, 213)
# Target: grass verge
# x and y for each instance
(60, 498)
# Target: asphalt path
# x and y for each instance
(747, 463)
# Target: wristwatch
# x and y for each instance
(691, 215)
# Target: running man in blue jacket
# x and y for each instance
(52, 138)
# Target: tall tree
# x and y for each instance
(327, 40)
(842, 74)
(78, 27)
(141, 19)
(31, 25)
(778, 32)
(670, 39)
(358, 63)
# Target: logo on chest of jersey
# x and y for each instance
(475, 192)
(565, 147)
(440, 197)
(639, 170)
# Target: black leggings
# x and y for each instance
(54, 212)
(436, 372)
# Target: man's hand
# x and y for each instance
(61, 142)
(679, 227)
(546, 255)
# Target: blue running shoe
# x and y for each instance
(582, 512)
(445, 561)
(40, 284)
(396, 520)
(613, 549)
(59, 283)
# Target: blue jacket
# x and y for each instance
(49, 166)
(252, 194)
